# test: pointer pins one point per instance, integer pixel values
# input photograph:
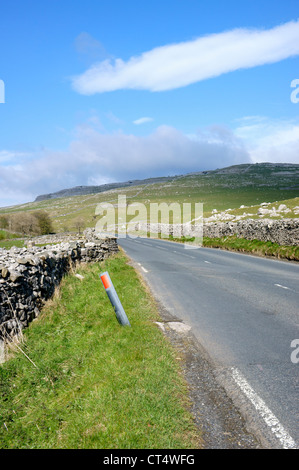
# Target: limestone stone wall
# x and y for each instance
(283, 231)
(28, 276)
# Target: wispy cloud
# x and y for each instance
(89, 48)
(8, 157)
(142, 120)
(269, 140)
(178, 65)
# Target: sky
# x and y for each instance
(98, 91)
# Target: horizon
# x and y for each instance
(94, 93)
(141, 180)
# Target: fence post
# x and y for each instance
(113, 297)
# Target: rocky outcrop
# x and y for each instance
(29, 276)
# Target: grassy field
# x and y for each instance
(91, 383)
(5, 235)
(221, 190)
(7, 240)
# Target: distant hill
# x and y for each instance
(84, 190)
(277, 170)
(237, 192)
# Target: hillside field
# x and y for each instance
(231, 193)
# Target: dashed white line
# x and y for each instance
(208, 262)
(270, 419)
(183, 254)
(283, 287)
(143, 269)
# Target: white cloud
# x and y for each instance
(177, 65)
(142, 120)
(8, 157)
(269, 140)
(97, 158)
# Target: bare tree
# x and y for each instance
(24, 223)
(79, 223)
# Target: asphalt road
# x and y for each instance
(244, 312)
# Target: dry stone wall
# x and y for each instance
(29, 276)
(283, 231)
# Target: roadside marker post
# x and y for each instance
(113, 297)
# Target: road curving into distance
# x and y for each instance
(244, 312)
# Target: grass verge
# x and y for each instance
(243, 245)
(91, 383)
(256, 247)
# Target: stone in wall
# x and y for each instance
(29, 276)
(283, 231)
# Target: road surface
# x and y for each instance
(244, 312)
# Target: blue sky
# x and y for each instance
(99, 91)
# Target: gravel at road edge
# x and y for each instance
(220, 423)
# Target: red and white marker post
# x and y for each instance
(113, 297)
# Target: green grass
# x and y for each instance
(248, 185)
(7, 240)
(7, 244)
(257, 247)
(95, 383)
(5, 235)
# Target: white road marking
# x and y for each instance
(283, 287)
(183, 254)
(270, 419)
(208, 262)
(143, 269)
